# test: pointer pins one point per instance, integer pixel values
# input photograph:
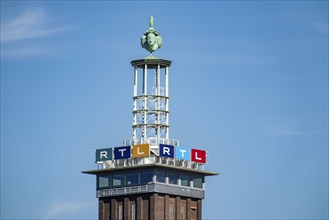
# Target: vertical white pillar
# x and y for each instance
(158, 102)
(158, 80)
(135, 103)
(145, 80)
(145, 102)
(167, 80)
(135, 81)
(167, 100)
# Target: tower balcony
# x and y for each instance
(151, 188)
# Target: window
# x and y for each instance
(182, 212)
(173, 178)
(197, 182)
(103, 182)
(118, 180)
(146, 177)
(133, 212)
(160, 176)
(171, 212)
(185, 180)
(132, 179)
(120, 212)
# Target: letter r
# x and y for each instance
(103, 154)
(166, 150)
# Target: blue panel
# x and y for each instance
(122, 152)
(167, 150)
(103, 154)
(183, 153)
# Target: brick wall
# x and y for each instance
(149, 206)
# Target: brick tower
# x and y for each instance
(150, 176)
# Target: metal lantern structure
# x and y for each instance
(151, 101)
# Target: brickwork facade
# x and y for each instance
(149, 206)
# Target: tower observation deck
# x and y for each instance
(150, 176)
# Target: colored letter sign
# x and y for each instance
(103, 154)
(198, 156)
(166, 150)
(122, 152)
(183, 153)
(142, 150)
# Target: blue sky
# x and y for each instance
(248, 82)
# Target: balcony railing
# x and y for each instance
(151, 141)
(124, 190)
(150, 160)
(154, 187)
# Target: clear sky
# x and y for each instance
(248, 82)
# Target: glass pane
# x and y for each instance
(160, 176)
(120, 212)
(171, 212)
(133, 211)
(173, 178)
(103, 181)
(185, 180)
(132, 179)
(118, 179)
(197, 182)
(146, 177)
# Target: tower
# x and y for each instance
(150, 176)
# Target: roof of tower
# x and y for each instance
(163, 166)
(151, 63)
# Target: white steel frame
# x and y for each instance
(151, 107)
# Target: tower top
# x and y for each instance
(151, 39)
